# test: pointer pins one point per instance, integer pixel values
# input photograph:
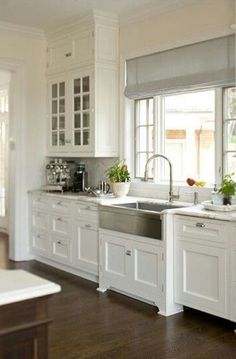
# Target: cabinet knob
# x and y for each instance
(200, 225)
(128, 252)
(68, 54)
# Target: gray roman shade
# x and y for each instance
(204, 64)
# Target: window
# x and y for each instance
(229, 143)
(182, 127)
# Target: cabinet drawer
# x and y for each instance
(87, 211)
(40, 243)
(61, 226)
(62, 250)
(62, 206)
(201, 229)
(40, 203)
(40, 221)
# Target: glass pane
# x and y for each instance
(231, 103)
(54, 106)
(77, 122)
(86, 84)
(231, 135)
(150, 111)
(77, 103)
(76, 86)
(62, 122)
(230, 163)
(190, 136)
(85, 137)
(141, 112)
(141, 139)
(85, 102)
(54, 123)
(77, 138)
(62, 89)
(140, 164)
(54, 90)
(54, 139)
(150, 138)
(86, 119)
(62, 105)
(62, 138)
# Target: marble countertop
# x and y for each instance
(109, 199)
(18, 285)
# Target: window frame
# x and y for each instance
(159, 130)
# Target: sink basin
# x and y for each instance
(138, 218)
(148, 206)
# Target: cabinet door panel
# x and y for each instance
(116, 261)
(86, 255)
(61, 225)
(40, 221)
(147, 270)
(201, 280)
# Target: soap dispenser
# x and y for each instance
(216, 197)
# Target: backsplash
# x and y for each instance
(95, 167)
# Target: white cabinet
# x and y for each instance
(83, 89)
(132, 265)
(65, 232)
(202, 264)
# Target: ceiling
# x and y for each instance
(47, 14)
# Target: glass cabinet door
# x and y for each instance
(81, 109)
(57, 114)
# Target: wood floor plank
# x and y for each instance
(91, 325)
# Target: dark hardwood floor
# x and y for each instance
(88, 324)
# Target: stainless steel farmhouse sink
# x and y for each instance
(138, 218)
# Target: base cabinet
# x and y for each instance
(131, 266)
(65, 232)
(202, 264)
(86, 246)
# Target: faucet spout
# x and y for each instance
(171, 195)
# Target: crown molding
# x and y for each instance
(24, 30)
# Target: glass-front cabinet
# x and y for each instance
(70, 114)
(57, 114)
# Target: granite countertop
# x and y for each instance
(18, 285)
(200, 211)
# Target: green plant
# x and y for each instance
(228, 186)
(118, 172)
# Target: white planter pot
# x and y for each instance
(120, 189)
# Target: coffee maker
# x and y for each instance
(80, 179)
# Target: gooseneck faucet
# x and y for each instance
(171, 196)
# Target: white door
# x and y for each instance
(3, 157)
(201, 277)
(147, 271)
(86, 249)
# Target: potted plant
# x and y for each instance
(228, 188)
(119, 177)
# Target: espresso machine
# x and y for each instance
(80, 178)
(58, 176)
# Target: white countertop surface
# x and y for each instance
(18, 285)
(189, 210)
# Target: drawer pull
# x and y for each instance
(61, 244)
(59, 203)
(88, 225)
(200, 225)
(38, 236)
(68, 54)
(59, 219)
(128, 252)
(88, 208)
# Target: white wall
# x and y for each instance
(197, 22)
(23, 52)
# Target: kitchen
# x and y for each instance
(139, 36)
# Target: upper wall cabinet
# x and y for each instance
(82, 71)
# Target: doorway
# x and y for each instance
(4, 125)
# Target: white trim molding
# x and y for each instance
(24, 30)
